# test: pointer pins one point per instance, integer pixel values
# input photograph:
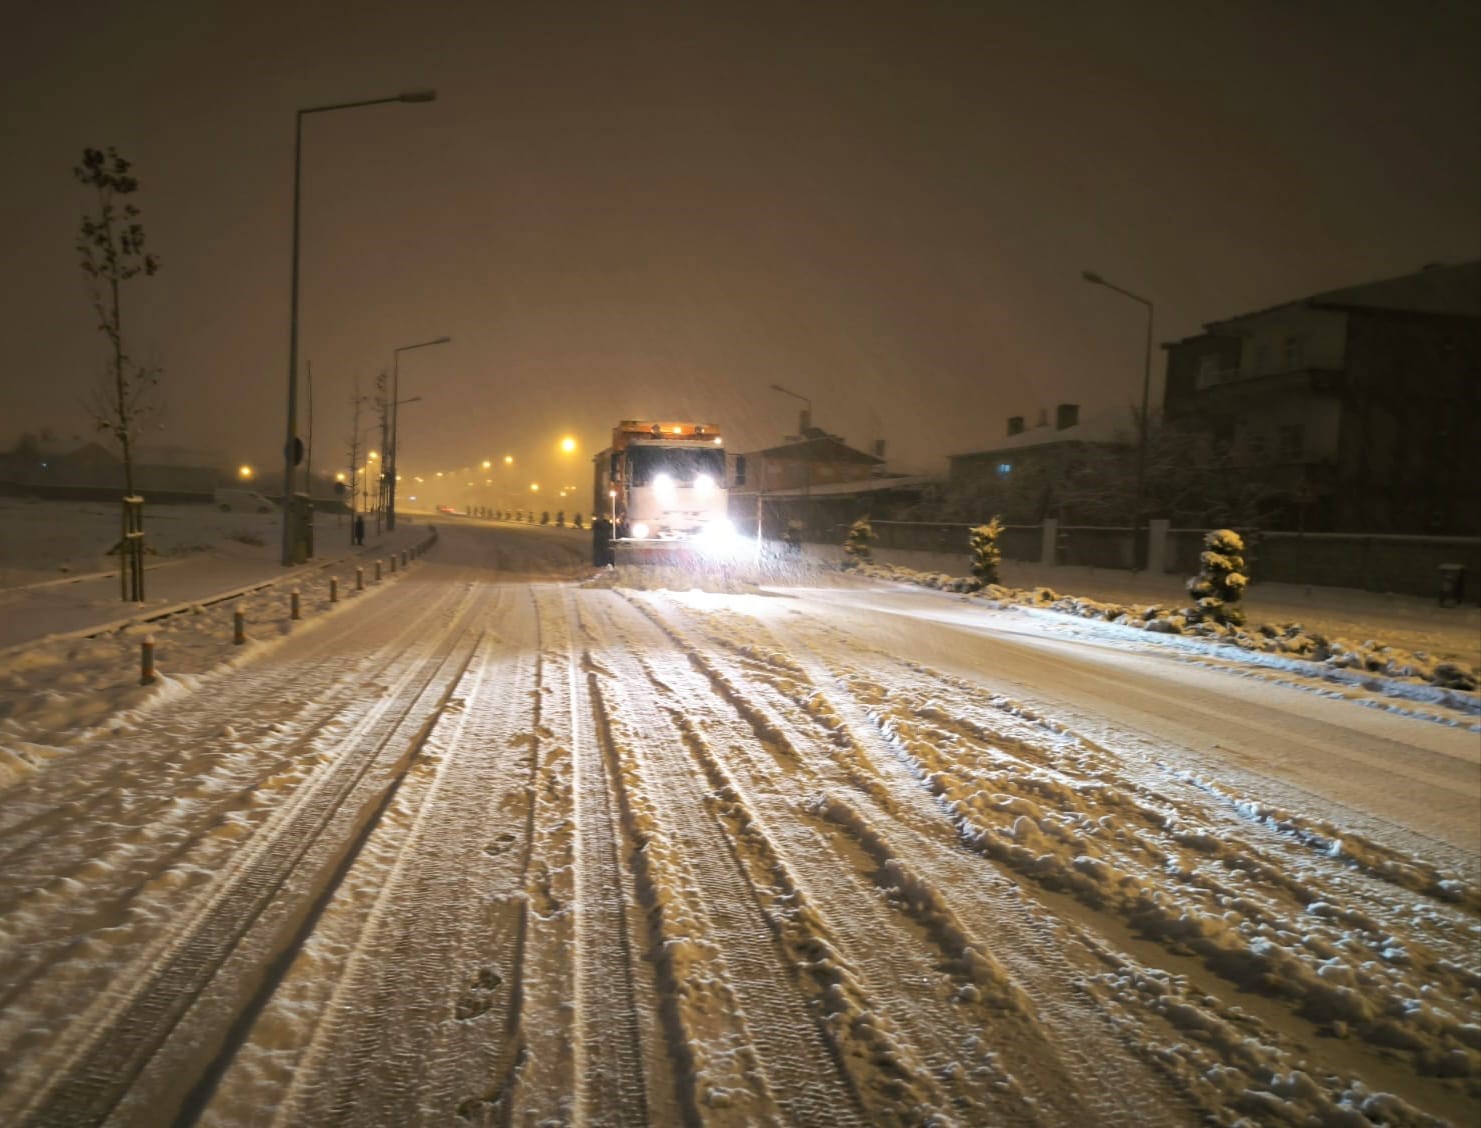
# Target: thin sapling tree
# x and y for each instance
(110, 244)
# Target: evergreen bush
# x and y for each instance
(986, 556)
(1217, 589)
(856, 548)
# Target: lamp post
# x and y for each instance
(395, 403)
(293, 540)
(1139, 519)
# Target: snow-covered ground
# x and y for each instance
(496, 840)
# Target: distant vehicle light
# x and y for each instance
(640, 530)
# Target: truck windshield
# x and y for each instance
(682, 464)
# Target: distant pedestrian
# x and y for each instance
(359, 529)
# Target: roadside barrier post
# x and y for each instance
(146, 661)
(293, 604)
(333, 589)
(238, 627)
(403, 558)
(393, 563)
(359, 579)
(377, 571)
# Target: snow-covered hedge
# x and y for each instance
(1290, 639)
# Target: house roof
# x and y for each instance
(1116, 425)
(825, 449)
(846, 489)
(1453, 289)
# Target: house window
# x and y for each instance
(1293, 353)
(1209, 372)
(1004, 469)
(1254, 444)
(1262, 358)
(1290, 442)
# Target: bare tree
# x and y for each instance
(110, 244)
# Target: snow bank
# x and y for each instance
(1290, 640)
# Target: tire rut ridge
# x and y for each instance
(100, 1072)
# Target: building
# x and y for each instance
(814, 459)
(1031, 473)
(816, 483)
(1360, 407)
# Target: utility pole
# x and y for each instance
(384, 406)
(355, 402)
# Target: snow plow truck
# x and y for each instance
(662, 495)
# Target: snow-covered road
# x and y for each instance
(489, 845)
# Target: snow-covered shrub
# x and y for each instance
(856, 549)
(1216, 590)
(986, 556)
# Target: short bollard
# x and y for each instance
(238, 627)
(146, 661)
(377, 571)
(403, 558)
(393, 563)
(293, 604)
(333, 589)
(359, 579)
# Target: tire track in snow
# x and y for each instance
(789, 695)
(63, 882)
(90, 1069)
(611, 1073)
(1164, 831)
(409, 971)
(754, 1052)
(540, 1085)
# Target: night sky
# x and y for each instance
(623, 211)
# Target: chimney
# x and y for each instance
(804, 422)
(878, 448)
(1066, 415)
(1043, 417)
(1015, 424)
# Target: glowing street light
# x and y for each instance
(509, 460)
(245, 472)
(568, 445)
(486, 463)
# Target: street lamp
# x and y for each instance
(395, 387)
(1140, 547)
(293, 541)
(806, 421)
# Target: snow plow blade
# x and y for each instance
(671, 554)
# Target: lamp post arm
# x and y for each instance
(395, 419)
(350, 105)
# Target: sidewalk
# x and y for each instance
(78, 604)
(1406, 621)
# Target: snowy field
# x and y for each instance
(495, 840)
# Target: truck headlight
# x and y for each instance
(640, 530)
